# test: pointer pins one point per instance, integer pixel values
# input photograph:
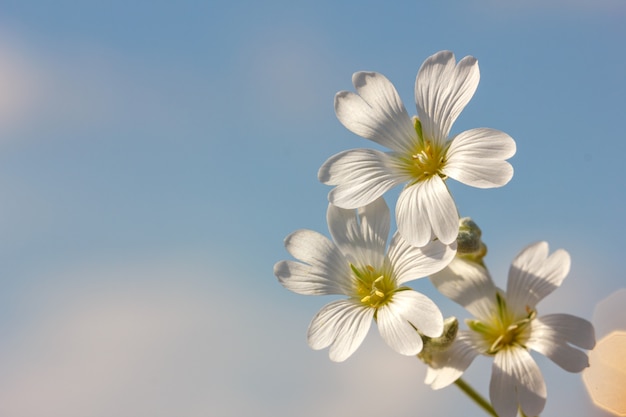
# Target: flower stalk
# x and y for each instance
(475, 396)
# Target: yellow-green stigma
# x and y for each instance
(373, 288)
(504, 330)
(428, 157)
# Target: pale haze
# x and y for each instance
(154, 155)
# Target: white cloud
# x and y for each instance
(19, 84)
(50, 86)
(175, 337)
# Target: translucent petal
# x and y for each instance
(306, 280)
(441, 210)
(413, 223)
(502, 386)
(419, 310)
(361, 234)
(533, 275)
(361, 176)
(469, 285)
(449, 365)
(426, 210)
(551, 334)
(342, 325)
(376, 112)
(482, 143)
(516, 379)
(326, 260)
(477, 158)
(410, 262)
(396, 330)
(442, 90)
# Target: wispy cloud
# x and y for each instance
(167, 337)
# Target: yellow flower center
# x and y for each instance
(503, 330)
(373, 288)
(427, 158)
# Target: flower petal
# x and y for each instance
(306, 280)
(342, 325)
(516, 378)
(551, 334)
(469, 285)
(376, 113)
(418, 310)
(326, 260)
(408, 310)
(361, 176)
(448, 366)
(424, 209)
(361, 234)
(502, 385)
(533, 275)
(410, 262)
(477, 158)
(442, 90)
(413, 223)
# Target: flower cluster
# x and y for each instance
(507, 326)
(359, 264)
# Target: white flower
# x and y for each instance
(356, 265)
(422, 154)
(507, 327)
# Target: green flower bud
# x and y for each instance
(469, 243)
(441, 343)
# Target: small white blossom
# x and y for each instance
(422, 154)
(507, 327)
(357, 264)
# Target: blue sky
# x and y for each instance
(154, 155)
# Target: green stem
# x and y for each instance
(478, 399)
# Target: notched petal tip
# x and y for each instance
(360, 78)
(441, 57)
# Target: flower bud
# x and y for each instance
(469, 243)
(439, 344)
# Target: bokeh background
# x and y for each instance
(154, 154)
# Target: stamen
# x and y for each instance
(494, 346)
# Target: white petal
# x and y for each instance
(442, 90)
(441, 210)
(306, 280)
(413, 223)
(551, 334)
(426, 209)
(533, 275)
(326, 260)
(342, 325)
(361, 234)
(482, 143)
(516, 378)
(469, 285)
(449, 365)
(410, 262)
(361, 176)
(477, 158)
(396, 329)
(376, 113)
(502, 386)
(419, 310)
